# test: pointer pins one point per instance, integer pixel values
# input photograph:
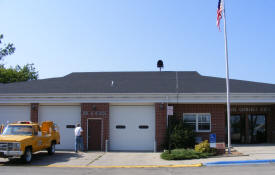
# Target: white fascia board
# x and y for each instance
(138, 98)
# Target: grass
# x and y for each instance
(184, 154)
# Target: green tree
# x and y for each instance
(18, 73)
(179, 134)
(8, 49)
(25, 73)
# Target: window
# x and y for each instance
(120, 126)
(143, 126)
(190, 119)
(35, 130)
(18, 130)
(199, 122)
(70, 126)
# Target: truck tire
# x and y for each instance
(27, 157)
(51, 149)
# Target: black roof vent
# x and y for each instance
(160, 64)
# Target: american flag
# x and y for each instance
(219, 13)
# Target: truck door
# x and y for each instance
(38, 140)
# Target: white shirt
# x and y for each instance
(77, 131)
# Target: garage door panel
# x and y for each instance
(10, 114)
(62, 116)
(132, 137)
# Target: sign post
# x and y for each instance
(212, 140)
(169, 112)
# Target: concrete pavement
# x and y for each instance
(59, 158)
(257, 151)
(101, 159)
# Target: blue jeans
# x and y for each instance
(78, 143)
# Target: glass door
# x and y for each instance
(237, 129)
(257, 128)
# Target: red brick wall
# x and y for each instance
(34, 112)
(217, 112)
(160, 110)
(89, 110)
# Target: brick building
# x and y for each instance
(127, 111)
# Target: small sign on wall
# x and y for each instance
(212, 140)
(170, 110)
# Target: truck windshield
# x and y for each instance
(18, 130)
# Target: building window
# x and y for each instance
(199, 122)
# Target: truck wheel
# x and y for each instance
(27, 157)
(51, 150)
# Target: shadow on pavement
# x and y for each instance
(43, 159)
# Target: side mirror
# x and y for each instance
(1, 128)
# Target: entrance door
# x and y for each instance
(237, 129)
(257, 128)
(94, 134)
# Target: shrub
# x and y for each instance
(203, 147)
(183, 154)
(181, 135)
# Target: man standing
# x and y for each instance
(78, 138)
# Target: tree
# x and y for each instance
(25, 73)
(179, 134)
(8, 49)
(18, 73)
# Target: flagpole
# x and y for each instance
(227, 83)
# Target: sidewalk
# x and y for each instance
(250, 152)
(83, 159)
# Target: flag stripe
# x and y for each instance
(219, 13)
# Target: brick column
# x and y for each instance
(34, 112)
(94, 110)
(161, 114)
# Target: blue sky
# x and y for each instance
(66, 36)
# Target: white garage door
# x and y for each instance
(132, 128)
(62, 116)
(9, 114)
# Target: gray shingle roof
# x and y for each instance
(135, 82)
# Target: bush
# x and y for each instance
(183, 154)
(181, 135)
(203, 147)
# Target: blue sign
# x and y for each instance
(212, 140)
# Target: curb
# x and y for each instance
(239, 162)
(123, 166)
(126, 166)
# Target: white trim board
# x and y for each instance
(138, 98)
